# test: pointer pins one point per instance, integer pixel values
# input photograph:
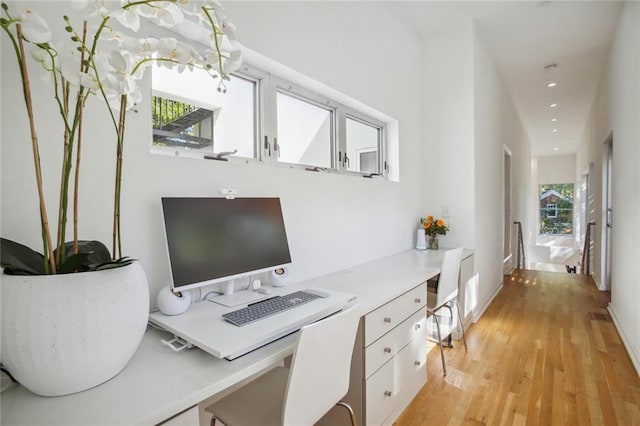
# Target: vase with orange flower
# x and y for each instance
(432, 228)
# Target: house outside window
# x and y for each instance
(556, 209)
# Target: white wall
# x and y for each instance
(616, 110)
(469, 119)
(333, 221)
(448, 153)
(497, 124)
(556, 169)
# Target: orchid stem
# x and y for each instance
(48, 249)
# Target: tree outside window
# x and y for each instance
(556, 209)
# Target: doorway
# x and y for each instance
(507, 220)
(607, 213)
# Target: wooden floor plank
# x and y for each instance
(540, 355)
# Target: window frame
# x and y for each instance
(544, 210)
(246, 72)
(288, 88)
(352, 114)
(266, 148)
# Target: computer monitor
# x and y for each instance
(212, 240)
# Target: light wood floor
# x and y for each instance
(544, 353)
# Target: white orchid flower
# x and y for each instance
(140, 48)
(70, 69)
(116, 36)
(41, 56)
(34, 28)
(89, 81)
(171, 51)
(229, 29)
(129, 18)
(144, 10)
(191, 7)
(233, 62)
(93, 8)
(113, 98)
(120, 78)
(168, 15)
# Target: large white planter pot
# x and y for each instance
(62, 334)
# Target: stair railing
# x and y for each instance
(586, 251)
(520, 256)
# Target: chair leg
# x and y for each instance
(461, 325)
(352, 415)
(444, 366)
(448, 341)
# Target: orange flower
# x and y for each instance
(440, 223)
(429, 218)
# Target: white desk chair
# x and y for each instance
(447, 294)
(316, 381)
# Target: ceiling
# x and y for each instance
(524, 37)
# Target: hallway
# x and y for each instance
(544, 353)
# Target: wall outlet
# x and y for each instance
(445, 211)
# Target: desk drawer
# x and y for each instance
(403, 375)
(383, 349)
(389, 315)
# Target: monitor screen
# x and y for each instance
(216, 239)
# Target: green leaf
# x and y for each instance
(90, 255)
(119, 263)
(74, 263)
(18, 259)
(99, 252)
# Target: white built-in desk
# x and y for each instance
(158, 383)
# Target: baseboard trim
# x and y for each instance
(634, 355)
(476, 315)
(596, 280)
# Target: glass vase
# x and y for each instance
(433, 242)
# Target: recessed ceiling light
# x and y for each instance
(553, 105)
(555, 130)
(555, 149)
(552, 84)
(553, 120)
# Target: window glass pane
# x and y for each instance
(362, 146)
(556, 209)
(188, 112)
(304, 132)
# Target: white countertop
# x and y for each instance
(158, 383)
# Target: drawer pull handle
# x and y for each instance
(417, 300)
(387, 350)
(417, 363)
(387, 319)
(387, 393)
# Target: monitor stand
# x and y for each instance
(239, 298)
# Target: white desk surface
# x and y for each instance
(204, 326)
(158, 383)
